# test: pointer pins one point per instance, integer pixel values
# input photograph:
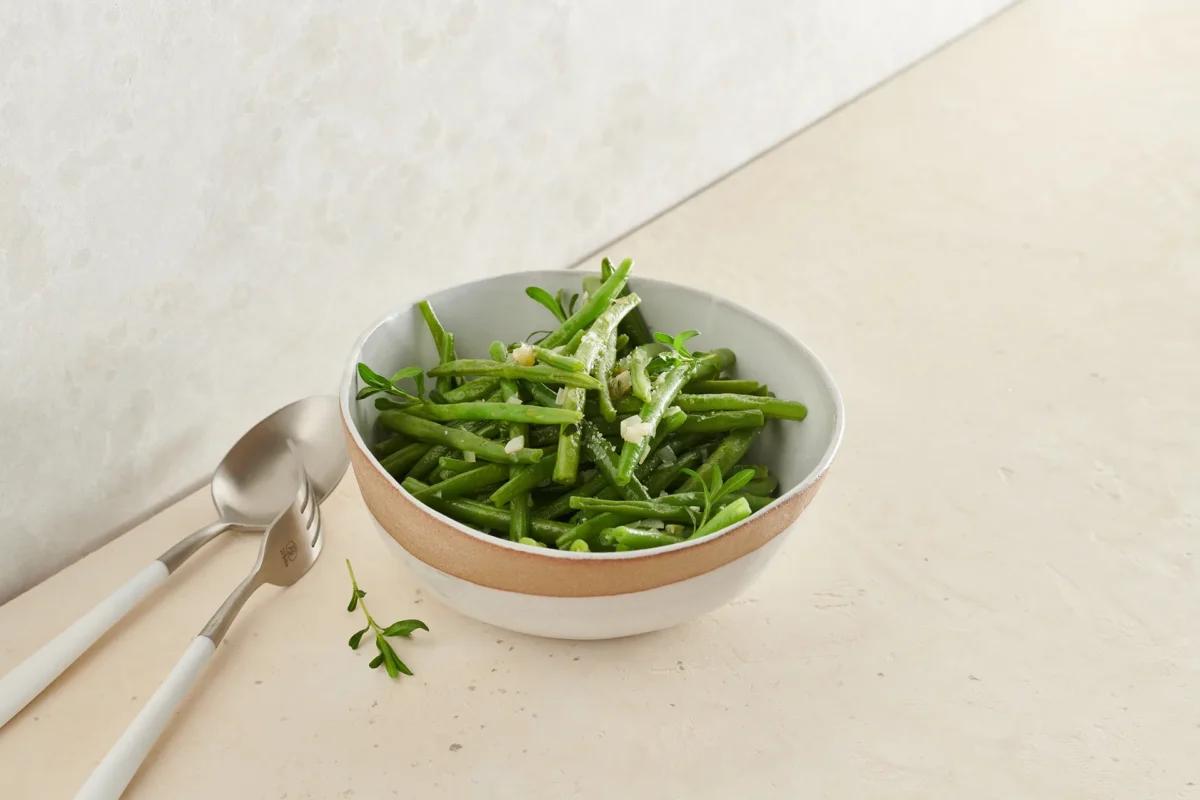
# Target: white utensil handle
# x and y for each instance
(31, 676)
(113, 774)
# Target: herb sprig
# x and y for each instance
(714, 488)
(376, 383)
(387, 655)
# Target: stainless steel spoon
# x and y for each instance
(250, 486)
(289, 548)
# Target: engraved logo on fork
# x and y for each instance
(288, 553)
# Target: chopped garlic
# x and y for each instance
(514, 444)
(634, 430)
(666, 455)
(523, 355)
(561, 395)
(468, 456)
(515, 400)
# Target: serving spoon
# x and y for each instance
(254, 482)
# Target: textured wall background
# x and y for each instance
(202, 204)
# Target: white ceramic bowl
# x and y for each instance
(593, 595)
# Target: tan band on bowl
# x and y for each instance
(528, 571)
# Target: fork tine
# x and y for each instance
(305, 492)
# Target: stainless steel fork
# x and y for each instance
(289, 548)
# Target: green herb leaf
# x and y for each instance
(366, 392)
(606, 268)
(735, 483)
(542, 297)
(678, 342)
(356, 639)
(659, 336)
(388, 404)
(404, 627)
(376, 661)
(353, 601)
(372, 378)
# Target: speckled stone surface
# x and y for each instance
(201, 204)
(995, 594)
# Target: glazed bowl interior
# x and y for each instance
(497, 308)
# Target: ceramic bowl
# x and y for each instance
(573, 595)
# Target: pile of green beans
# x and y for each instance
(599, 437)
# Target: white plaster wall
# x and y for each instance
(202, 203)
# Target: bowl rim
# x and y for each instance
(347, 392)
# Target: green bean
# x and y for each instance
(519, 520)
(604, 367)
(446, 382)
(493, 369)
(756, 501)
(662, 478)
(482, 477)
(635, 324)
(579, 546)
(542, 436)
(503, 412)
(528, 542)
(770, 406)
(571, 346)
(640, 381)
(637, 538)
(429, 431)
(398, 462)
(733, 513)
(541, 395)
(557, 360)
(718, 421)
(728, 453)
(388, 446)
(523, 481)
(605, 459)
(712, 364)
(588, 530)
(590, 349)
(725, 386)
(456, 466)
(651, 414)
(471, 390)
(635, 509)
(561, 505)
(484, 515)
(436, 331)
(596, 305)
(766, 485)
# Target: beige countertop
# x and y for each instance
(995, 595)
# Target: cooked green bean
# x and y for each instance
(766, 485)
(596, 305)
(557, 360)
(471, 390)
(770, 406)
(661, 479)
(572, 345)
(605, 459)
(399, 462)
(651, 414)
(541, 395)
(719, 421)
(728, 515)
(725, 386)
(456, 465)
(604, 367)
(493, 369)
(542, 436)
(712, 364)
(629, 538)
(639, 380)
(388, 445)
(725, 455)
(429, 431)
(636, 509)
(482, 477)
(503, 412)
(523, 481)
(588, 530)
(485, 515)
(561, 505)
(519, 519)
(589, 352)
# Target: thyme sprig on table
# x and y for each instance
(387, 655)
